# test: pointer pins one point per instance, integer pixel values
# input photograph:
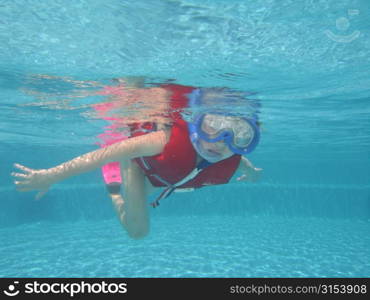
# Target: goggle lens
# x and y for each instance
(237, 130)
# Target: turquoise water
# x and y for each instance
(308, 62)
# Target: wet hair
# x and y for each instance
(220, 99)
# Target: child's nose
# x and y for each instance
(220, 145)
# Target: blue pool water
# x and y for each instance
(308, 61)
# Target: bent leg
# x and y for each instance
(114, 190)
(132, 208)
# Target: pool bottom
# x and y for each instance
(190, 246)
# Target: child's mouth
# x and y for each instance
(213, 152)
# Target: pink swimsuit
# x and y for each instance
(111, 171)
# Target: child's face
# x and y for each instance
(214, 152)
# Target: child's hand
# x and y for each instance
(250, 172)
(31, 180)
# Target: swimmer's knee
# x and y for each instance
(138, 233)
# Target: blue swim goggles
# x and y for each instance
(240, 134)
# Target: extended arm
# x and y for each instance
(145, 145)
